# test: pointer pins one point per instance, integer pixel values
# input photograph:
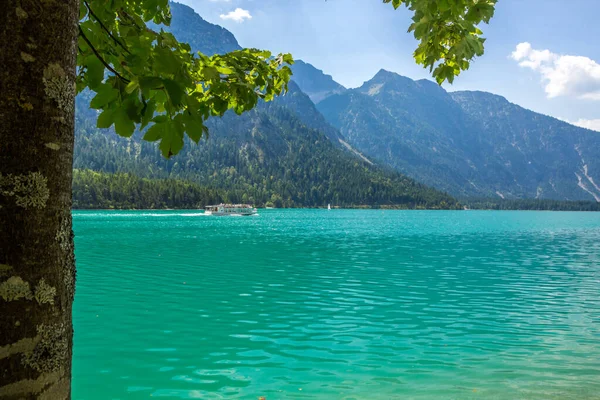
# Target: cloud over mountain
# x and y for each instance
(238, 15)
(593, 124)
(562, 75)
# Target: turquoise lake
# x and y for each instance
(341, 304)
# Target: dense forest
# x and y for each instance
(98, 190)
(265, 155)
(530, 204)
(92, 189)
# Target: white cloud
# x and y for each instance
(238, 15)
(562, 75)
(593, 124)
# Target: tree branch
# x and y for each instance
(105, 28)
(144, 28)
(100, 57)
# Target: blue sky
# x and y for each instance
(557, 74)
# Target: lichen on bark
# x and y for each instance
(64, 238)
(15, 288)
(44, 293)
(29, 190)
(27, 57)
(52, 350)
(21, 13)
(37, 82)
(59, 87)
(53, 146)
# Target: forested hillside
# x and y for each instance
(467, 143)
(92, 189)
(264, 155)
(283, 152)
(530, 205)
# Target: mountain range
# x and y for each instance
(323, 143)
(283, 152)
(467, 143)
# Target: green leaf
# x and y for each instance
(95, 71)
(175, 92)
(82, 10)
(155, 132)
(150, 82)
(132, 87)
(105, 120)
(151, 72)
(172, 142)
(105, 95)
(124, 126)
(147, 113)
(193, 126)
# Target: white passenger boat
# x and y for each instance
(230, 209)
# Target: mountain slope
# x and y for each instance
(552, 158)
(300, 104)
(191, 28)
(412, 126)
(266, 155)
(283, 152)
(314, 82)
(469, 144)
(187, 26)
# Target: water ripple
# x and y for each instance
(312, 304)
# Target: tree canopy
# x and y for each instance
(447, 31)
(154, 79)
(146, 78)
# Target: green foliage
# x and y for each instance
(531, 204)
(267, 155)
(93, 190)
(100, 190)
(143, 77)
(447, 32)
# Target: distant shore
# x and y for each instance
(552, 206)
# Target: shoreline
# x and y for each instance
(334, 209)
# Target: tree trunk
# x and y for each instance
(38, 43)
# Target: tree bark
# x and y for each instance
(38, 43)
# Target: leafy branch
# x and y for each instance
(107, 65)
(87, 5)
(168, 89)
(449, 38)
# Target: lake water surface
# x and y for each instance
(341, 304)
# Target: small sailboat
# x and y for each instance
(329, 206)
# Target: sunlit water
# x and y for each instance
(341, 304)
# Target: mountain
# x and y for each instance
(267, 154)
(552, 158)
(308, 84)
(314, 82)
(301, 105)
(283, 152)
(191, 28)
(466, 143)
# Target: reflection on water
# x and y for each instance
(341, 304)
